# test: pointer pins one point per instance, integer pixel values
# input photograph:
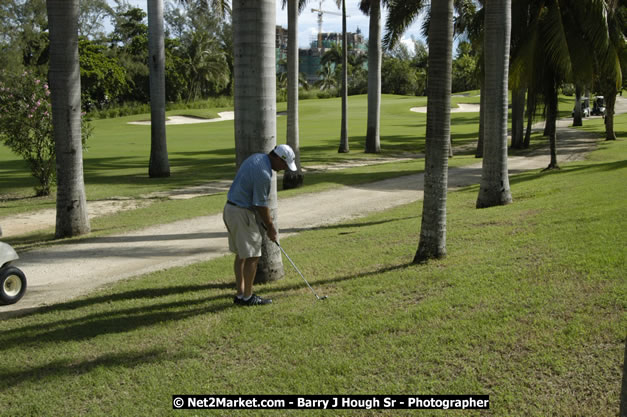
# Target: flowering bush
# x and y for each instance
(26, 126)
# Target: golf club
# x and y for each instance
(324, 297)
(300, 273)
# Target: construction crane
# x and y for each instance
(320, 13)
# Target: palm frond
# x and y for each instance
(555, 43)
(401, 14)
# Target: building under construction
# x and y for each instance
(309, 59)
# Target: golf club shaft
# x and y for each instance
(293, 264)
(296, 268)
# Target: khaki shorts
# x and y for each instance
(244, 234)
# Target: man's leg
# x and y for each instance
(238, 268)
(249, 272)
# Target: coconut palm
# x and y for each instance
(613, 62)
(373, 8)
(432, 242)
(562, 36)
(65, 86)
(344, 148)
(159, 165)
(255, 103)
(294, 7)
(326, 74)
(207, 64)
(494, 189)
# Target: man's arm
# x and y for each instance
(266, 218)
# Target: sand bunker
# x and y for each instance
(183, 120)
(461, 108)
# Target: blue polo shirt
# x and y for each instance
(251, 186)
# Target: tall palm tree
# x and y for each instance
(65, 86)
(563, 35)
(327, 77)
(294, 7)
(255, 103)
(520, 20)
(494, 189)
(614, 63)
(159, 165)
(373, 8)
(432, 242)
(344, 148)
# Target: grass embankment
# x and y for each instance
(529, 308)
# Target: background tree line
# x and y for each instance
(199, 62)
(113, 64)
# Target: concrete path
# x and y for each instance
(63, 272)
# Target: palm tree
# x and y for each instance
(207, 64)
(432, 242)
(327, 77)
(520, 20)
(563, 35)
(494, 188)
(65, 86)
(294, 7)
(613, 64)
(255, 103)
(344, 148)
(159, 165)
(373, 7)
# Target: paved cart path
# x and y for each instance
(63, 272)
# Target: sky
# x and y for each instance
(308, 20)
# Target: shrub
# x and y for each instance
(26, 126)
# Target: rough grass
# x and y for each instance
(528, 307)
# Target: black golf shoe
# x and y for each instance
(255, 300)
(237, 300)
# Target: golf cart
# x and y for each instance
(12, 279)
(598, 107)
(585, 107)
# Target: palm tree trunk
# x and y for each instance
(494, 189)
(65, 86)
(344, 129)
(610, 104)
(255, 103)
(159, 165)
(518, 118)
(551, 128)
(531, 108)
(373, 143)
(292, 179)
(578, 118)
(433, 228)
(479, 151)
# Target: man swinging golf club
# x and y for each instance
(246, 199)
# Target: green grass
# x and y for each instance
(528, 307)
(116, 161)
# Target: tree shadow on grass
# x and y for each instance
(71, 368)
(121, 320)
(124, 320)
(341, 226)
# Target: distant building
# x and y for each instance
(309, 59)
(281, 49)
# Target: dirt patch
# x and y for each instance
(20, 224)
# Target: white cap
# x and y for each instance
(287, 154)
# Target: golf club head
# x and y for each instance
(324, 297)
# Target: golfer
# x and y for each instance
(247, 200)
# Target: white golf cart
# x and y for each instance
(12, 279)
